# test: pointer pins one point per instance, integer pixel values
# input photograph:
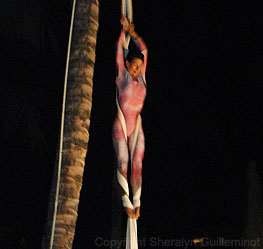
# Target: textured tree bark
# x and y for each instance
(76, 128)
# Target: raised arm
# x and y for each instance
(122, 45)
(140, 45)
(120, 52)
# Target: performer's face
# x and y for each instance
(134, 67)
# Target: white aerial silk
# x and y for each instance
(131, 231)
(126, 9)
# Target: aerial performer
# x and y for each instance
(128, 134)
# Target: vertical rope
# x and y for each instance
(126, 9)
(123, 7)
(62, 128)
(131, 231)
(130, 12)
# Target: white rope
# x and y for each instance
(62, 128)
(126, 9)
(130, 11)
(131, 234)
(123, 182)
(123, 7)
(131, 230)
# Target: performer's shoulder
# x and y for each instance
(123, 78)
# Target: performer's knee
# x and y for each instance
(137, 167)
(137, 162)
(123, 165)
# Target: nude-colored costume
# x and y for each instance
(130, 100)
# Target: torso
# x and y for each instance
(131, 98)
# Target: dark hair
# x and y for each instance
(134, 55)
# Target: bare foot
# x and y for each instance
(137, 213)
(130, 212)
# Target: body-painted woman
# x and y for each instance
(131, 86)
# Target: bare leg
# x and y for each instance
(136, 170)
(121, 149)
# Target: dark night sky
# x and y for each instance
(202, 120)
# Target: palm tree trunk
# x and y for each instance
(76, 129)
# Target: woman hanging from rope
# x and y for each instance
(127, 128)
